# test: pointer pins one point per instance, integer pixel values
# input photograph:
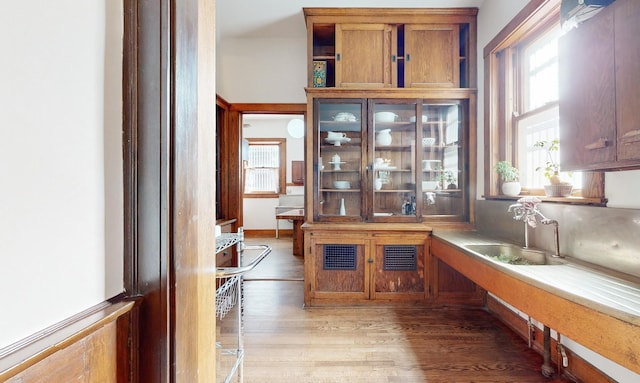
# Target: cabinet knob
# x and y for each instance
(393, 58)
(370, 260)
(338, 56)
(408, 57)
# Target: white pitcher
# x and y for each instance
(383, 137)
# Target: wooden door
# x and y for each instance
(432, 55)
(400, 267)
(587, 94)
(364, 55)
(337, 269)
(627, 57)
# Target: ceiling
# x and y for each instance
(284, 18)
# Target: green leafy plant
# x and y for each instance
(551, 167)
(446, 177)
(507, 172)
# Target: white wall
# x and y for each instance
(60, 161)
(262, 70)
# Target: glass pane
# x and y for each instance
(442, 158)
(394, 160)
(339, 159)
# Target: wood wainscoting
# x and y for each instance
(93, 346)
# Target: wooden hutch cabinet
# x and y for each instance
(390, 149)
(599, 90)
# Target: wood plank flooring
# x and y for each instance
(285, 342)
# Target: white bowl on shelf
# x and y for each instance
(428, 141)
(342, 184)
(385, 117)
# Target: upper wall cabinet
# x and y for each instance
(362, 52)
(432, 56)
(398, 48)
(600, 92)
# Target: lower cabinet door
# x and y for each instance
(348, 267)
(400, 267)
(340, 270)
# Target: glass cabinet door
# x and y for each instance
(390, 160)
(443, 158)
(338, 159)
(393, 160)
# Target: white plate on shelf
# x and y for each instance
(382, 214)
(384, 167)
(338, 141)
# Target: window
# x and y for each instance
(521, 98)
(264, 167)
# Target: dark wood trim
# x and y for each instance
(24, 354)
(130, 142)
(270, 108)
(147, 205)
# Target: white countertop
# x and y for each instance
(574, 281)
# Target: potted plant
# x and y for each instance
(510, 177)
(556, 187)
(447, 178)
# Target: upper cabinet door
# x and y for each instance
(627, 30)
(364, 55)
(432, 55)
(588, 94)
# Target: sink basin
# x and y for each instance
(514, 255)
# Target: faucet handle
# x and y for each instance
(529, 201)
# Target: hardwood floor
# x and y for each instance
(285, 342)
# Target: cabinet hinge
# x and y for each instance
(337, 56)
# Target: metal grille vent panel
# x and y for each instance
(400, 258)
(339, 257)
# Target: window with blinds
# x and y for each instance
(264, 167)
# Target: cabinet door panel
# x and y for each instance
(393, 139)
(587, 94)
(338, 157)
(627, 58)
(363, 55)
(400, 268)
(337, 269)
(431, 55)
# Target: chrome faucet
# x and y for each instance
(526, 210)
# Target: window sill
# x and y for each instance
(563, 200)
